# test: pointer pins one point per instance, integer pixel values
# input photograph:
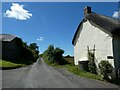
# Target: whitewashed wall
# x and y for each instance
(90, 35)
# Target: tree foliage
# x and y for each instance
(54, 55)
(34, 49)
(23, 53)
(33, 46)
(58, 57)
(29, 52)
(105, 68)
(91, 65)
(25, 44)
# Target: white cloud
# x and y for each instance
(18, 12)
(40, 39)
(116, 14)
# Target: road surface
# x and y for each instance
(40, 75)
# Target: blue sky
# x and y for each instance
(50, 23)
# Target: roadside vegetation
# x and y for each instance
(105, 69)
(28, 55)
(65, 62)
(6, 64)
(69, 59)
(53, 57)
(76, 70)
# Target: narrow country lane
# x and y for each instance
(40, 75)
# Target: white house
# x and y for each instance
(101, 31)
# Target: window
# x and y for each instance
(109, 57)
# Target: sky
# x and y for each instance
(47, 23)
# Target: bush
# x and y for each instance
(69, 59)
(92, 67)
(28, 56)
(54, 55)
(40, 55)
(105, 68)
(29, 52)
(91, 64)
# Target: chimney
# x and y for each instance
(87, 10)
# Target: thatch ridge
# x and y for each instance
(110, 24)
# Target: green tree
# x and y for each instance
(26, 56)
(33, 46)
(25, 44)
(54, 55)
(58, 57)
(50, 53)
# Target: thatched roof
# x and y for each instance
(109, 24)
(7, 37)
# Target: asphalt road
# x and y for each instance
(40, 75)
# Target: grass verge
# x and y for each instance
(75, 69)
(6, 64)
(51, 64)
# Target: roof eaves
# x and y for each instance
(110, 24)
(77, 30)
(7, 37)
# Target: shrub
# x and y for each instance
(105, 68)
(40, 55)
(92, 67)
(29, 53)
(91, 64)
(54, 55)
(69, 59)
(28, 56)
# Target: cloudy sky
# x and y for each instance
(49, 23)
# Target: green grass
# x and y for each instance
(4, 63)
(75, 69)
(51, 64)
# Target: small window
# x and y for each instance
(109, 57)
